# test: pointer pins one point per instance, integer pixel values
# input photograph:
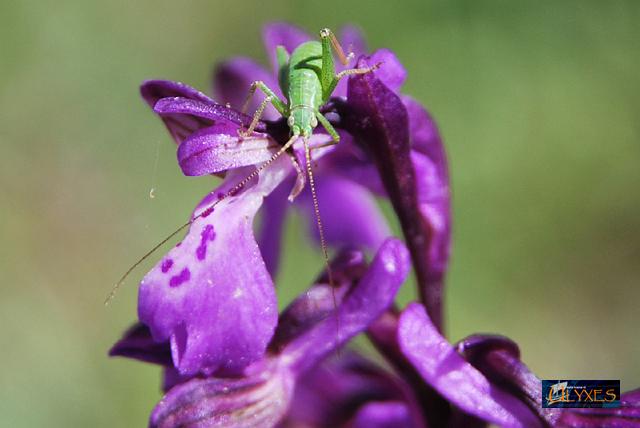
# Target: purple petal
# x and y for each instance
(231, 82)
(258, 401)
(367, 301)
(179, 126)
(445, 370)
(625, 416)
(380, 123)
(391, 72)
(383, 414)
(274, 213)
(349, 213)
(138, 344)
(211, 295)
(218, 148)
(282, 34)
(309, 308)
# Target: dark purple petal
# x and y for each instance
(367, 301)
(454, 378)
(391, 72)
(138, 344)
(498, 359)
(282, 34)
(349, 213)
(383, 414)
(332, 393)
(256, 401)
(218, 148)
(154, 90)
(211, 295)
(384, 336)
(380, 123)
(231, 82)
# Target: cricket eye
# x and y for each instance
(314, 122)
(291, 121)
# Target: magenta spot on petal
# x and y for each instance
(178, 244)
(166, 265)
(206, 212)
(181, 278)
(207, 235)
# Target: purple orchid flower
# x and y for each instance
(208, 309)
(308, 331)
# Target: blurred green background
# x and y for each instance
(538, 104)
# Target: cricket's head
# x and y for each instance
(302, 121)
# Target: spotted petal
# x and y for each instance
(211, 296)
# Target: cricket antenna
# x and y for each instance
(323, 242)
(233, 191)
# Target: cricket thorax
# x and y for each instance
(302, 120)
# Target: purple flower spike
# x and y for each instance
(415, 180)
(232, 312)
(454, 378)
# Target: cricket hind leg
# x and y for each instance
(271, 97)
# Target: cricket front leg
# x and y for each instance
(271, 97)
(335, 137)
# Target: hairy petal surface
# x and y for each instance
(255, 401)
(218, 148)
(454, 378)
(211, 295)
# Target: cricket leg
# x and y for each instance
(271, 97)
(326, 34)
(330, 129)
